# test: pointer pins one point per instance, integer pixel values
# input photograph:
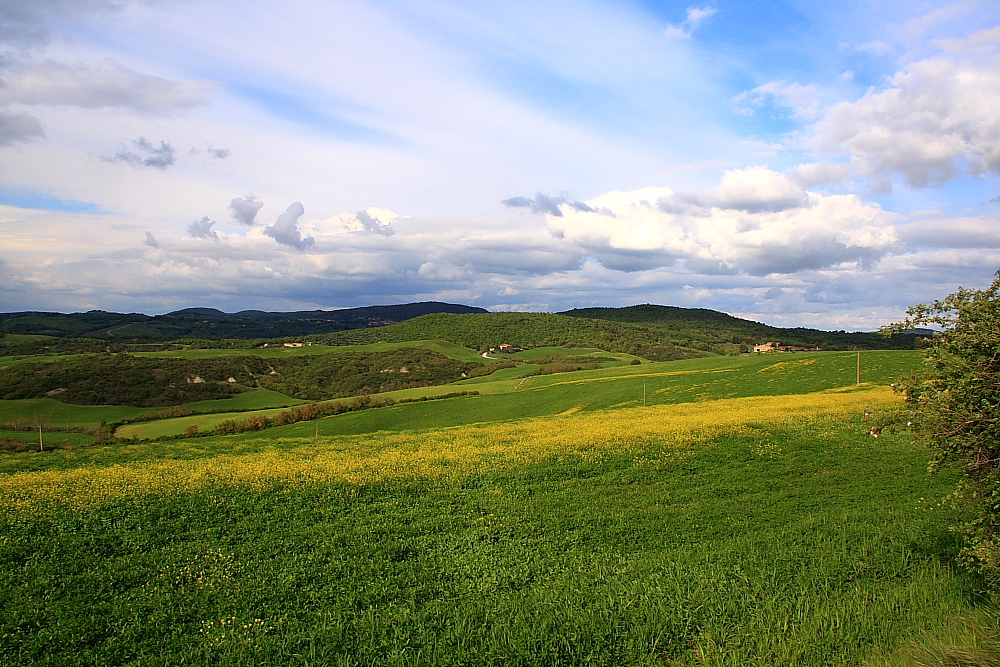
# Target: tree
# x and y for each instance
(957, 407)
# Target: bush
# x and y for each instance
(957, 410)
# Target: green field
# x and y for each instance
(747, 514)
(51, 411)
(506, 395)
(49, 438)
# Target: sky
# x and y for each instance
(799, 163)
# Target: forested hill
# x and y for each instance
(650, 331)
(698, 327)
(212, 323)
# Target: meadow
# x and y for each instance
(755, 511)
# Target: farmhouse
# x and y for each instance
(778, 347)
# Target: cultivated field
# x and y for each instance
(755, 511)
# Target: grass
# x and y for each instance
(178, 425)
(671, 382)
(742, 531)
(504, 395)
(250, 400)
(49, 438)
(51, 411)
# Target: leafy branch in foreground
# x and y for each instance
(957, 404)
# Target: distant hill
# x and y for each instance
(653, 332)
(485, 330)
(212, 323)
(705, 329)
(656, 332)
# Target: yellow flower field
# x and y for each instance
(436, 453)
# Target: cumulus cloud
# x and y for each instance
(19, 128)
(547, 204)
(756, 222)
(695, 16)
(202, 229)
(939, 118)
(754, 190)
(244, 211)
(145, 155)
(104, 85)
(819, 173)
(151, 241)
(950, 232)
(803, 101)
(285, 229)
(372, 224)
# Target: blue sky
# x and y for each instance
(798, 163)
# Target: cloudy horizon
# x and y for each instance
(791, 164)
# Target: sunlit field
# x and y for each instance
(705, 527)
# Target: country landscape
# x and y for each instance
(467, 333)
(473, 488)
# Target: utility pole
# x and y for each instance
(859, 364)
(41, 446)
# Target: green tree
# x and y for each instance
(956, 403)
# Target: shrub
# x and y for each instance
(957, 408)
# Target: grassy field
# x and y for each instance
(737, 531)
(49, 439)
(671, 382)
(755, 511)
(51, 411)
(506, 395)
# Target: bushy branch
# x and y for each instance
(957, 405)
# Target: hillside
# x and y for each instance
(212, 323)
(528, 330)
(708, 329)
(660, 333)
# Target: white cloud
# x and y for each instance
(940, 118)
(804, 101)
(876, 48)
(695, 16)
(819, 173)
(756, 222)
(103, 85)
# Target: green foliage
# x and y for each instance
(150, 381)
(705, 329)
(957, 405)
(320, 378)
(526, 330)
(212, 323)
(121, 379)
